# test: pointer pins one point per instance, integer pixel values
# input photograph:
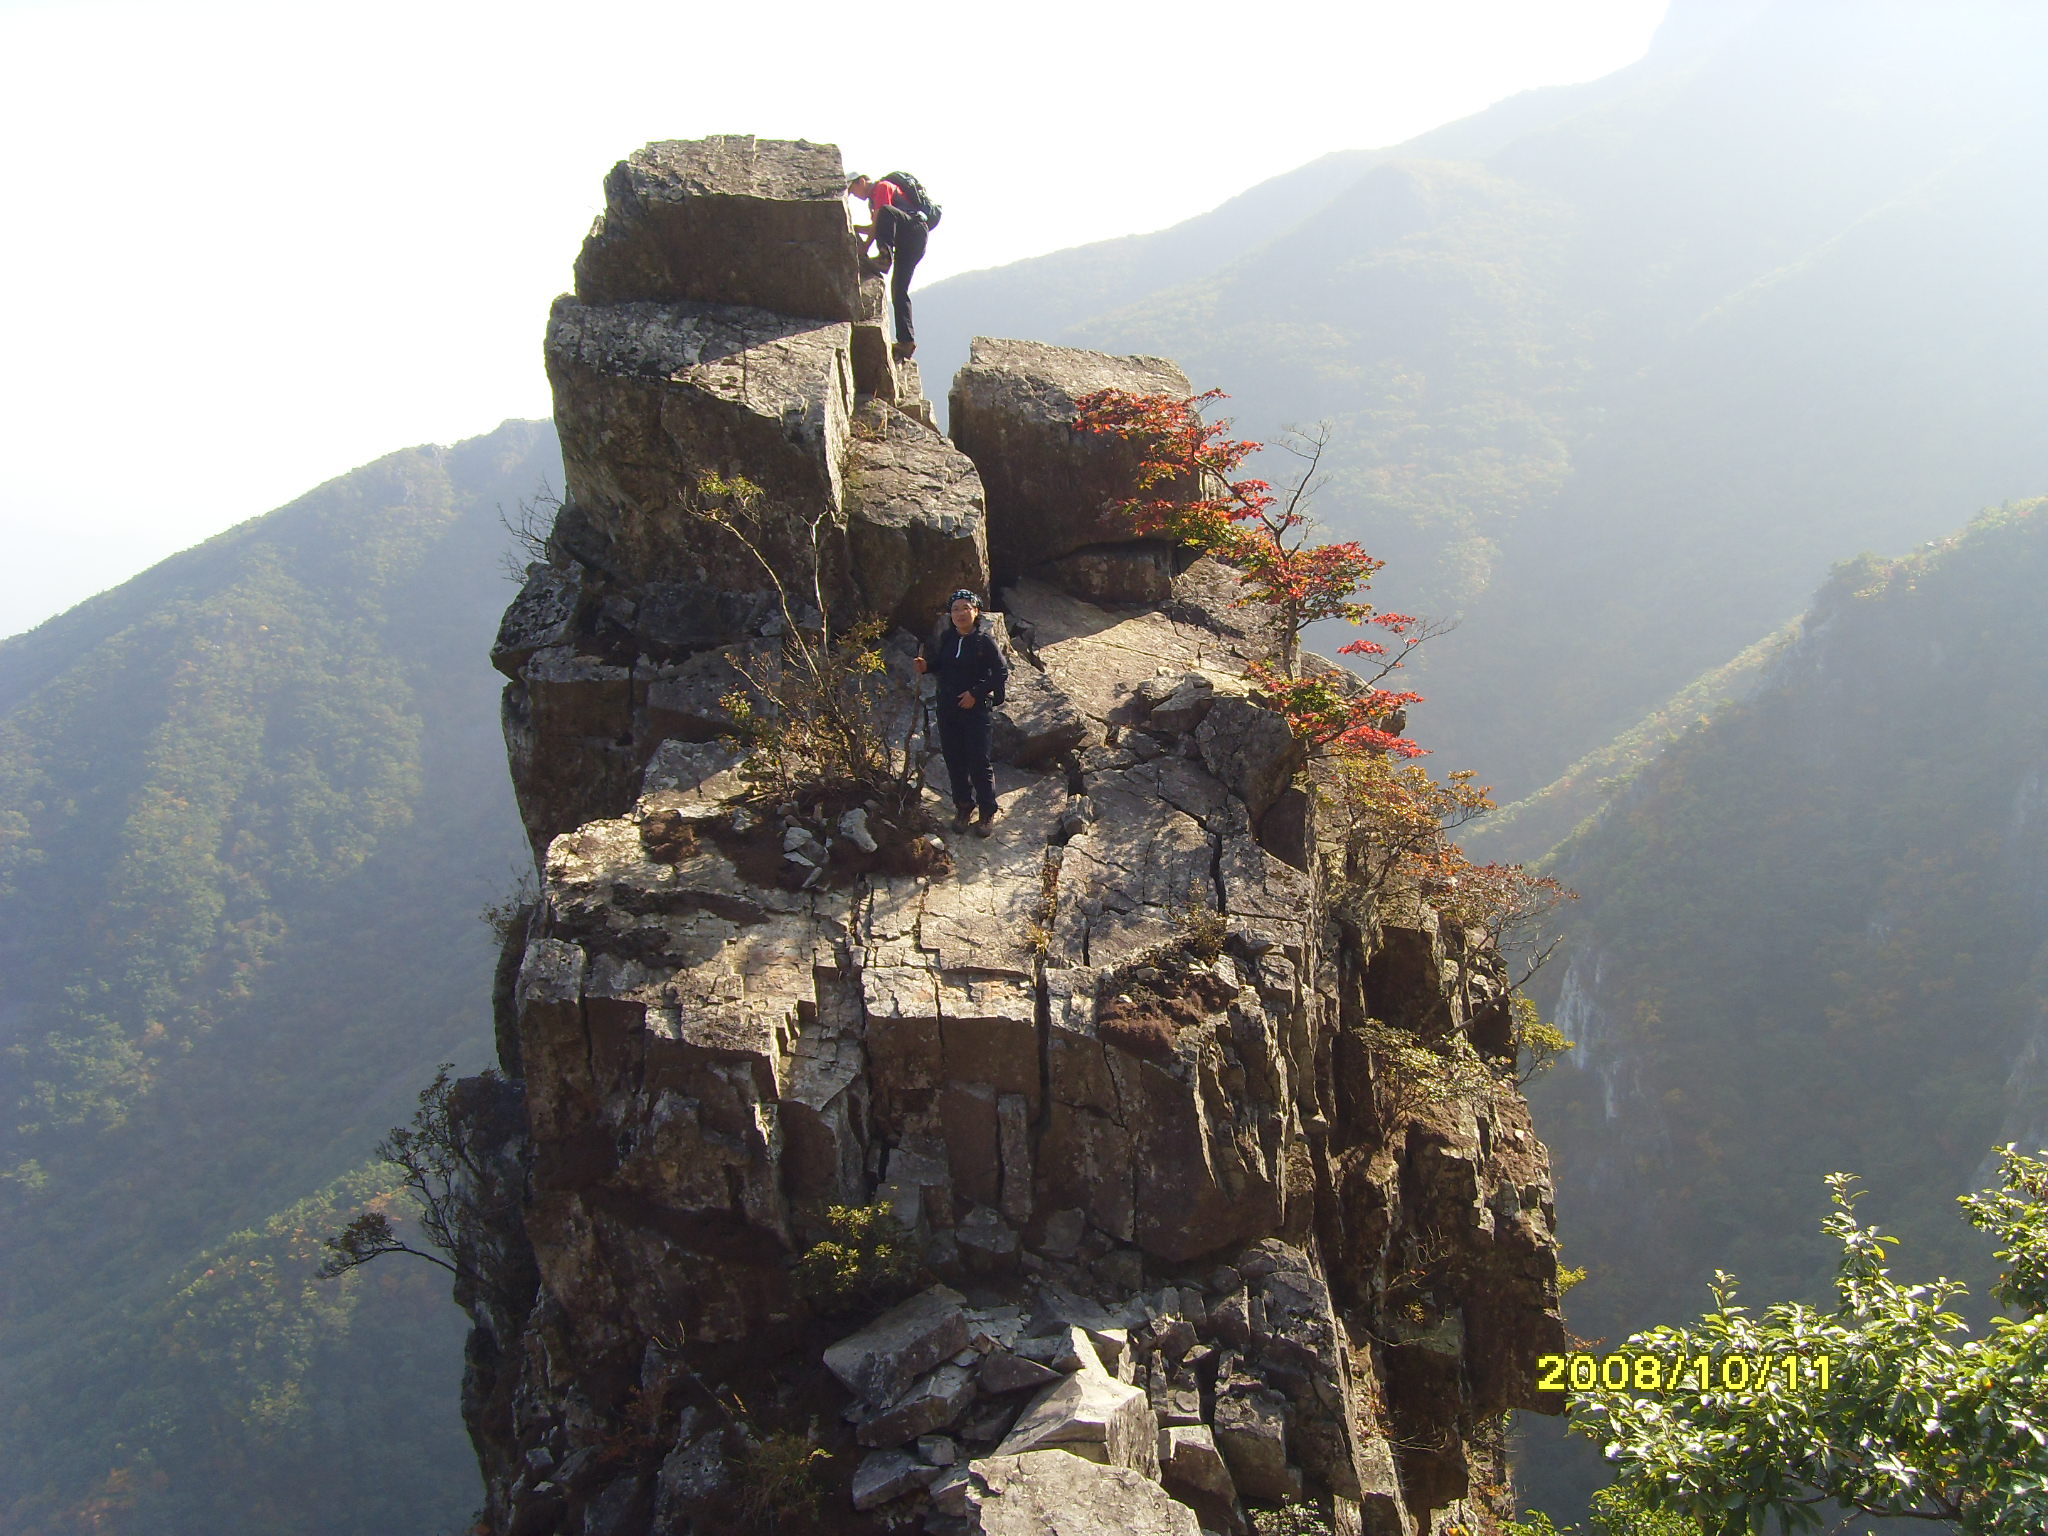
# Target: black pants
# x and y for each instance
(964, 739)
(903, 236)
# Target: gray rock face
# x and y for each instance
(875, 371)
(1118, 575)
(933, 1402)
(1038, 724)
(1051, 491)
(914, 520)
(885, 1358)
(1177, 1180)
(1251, 1433)
(651, 397)
(1188, 1458)
(714, 334)
(1188, 701)
(1048, 1491)
(1011, 1373)
(1093, 1415)
(731, 219)
(542, 617)
(562, 778)
(886, 1475)
(1249, 749)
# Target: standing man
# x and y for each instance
(899, 217)
(971, 673)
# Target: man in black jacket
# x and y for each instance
(971, 672)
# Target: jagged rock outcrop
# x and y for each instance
(1181, 1235)
(1053, 495)
(720, 328)
(730, 219)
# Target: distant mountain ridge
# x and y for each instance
(1819, 895)
(1618, 371)
(1813, 936)
(251, 802)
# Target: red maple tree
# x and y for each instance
(1190, 492)
(1398, 819)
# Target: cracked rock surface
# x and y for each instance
(1172, 1236)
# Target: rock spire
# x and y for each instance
(1171, 1242)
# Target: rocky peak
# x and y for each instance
(667, 367)
(1171, 1240)
(1050, 498)
(729, 220)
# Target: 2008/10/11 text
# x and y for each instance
(1630, 1370)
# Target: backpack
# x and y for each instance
(920, 200)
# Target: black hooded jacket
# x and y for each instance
(972, 663)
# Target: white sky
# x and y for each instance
(251, 246)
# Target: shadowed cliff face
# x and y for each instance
(1180, 1241)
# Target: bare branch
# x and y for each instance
(1308, 444)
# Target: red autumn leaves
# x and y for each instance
(1188, 494)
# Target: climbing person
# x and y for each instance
(900, 216)
(964, 657)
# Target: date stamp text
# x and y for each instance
(1637, 1371)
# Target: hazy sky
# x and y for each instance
(253, 246)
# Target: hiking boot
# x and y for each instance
(961, 813)
(903, 351)
(985, 823)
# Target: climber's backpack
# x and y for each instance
(920, 200)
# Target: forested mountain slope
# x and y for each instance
(1617, 371)
(251, 803)
(1814, 936)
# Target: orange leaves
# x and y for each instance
(1187, 464)
(1173, 440)
(1334, 714)
(1241, 521)
(1193, 461)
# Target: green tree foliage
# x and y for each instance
(863, 1261)
(1883, 1403)
(1614, 1513)
(1811, 936)
(249, 804)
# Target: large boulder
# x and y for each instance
(542, 615)
(1189, 1460)
(1251, 1433)
(1250, 749)
(1051, 490)
(885, 1475)
(913, 519)
(1038, 724)
(933, 1402)
(1189, 698)
(730, 219)
(882, 1360)
(1041, 1491)
(649, 398)
(1093, 1415)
